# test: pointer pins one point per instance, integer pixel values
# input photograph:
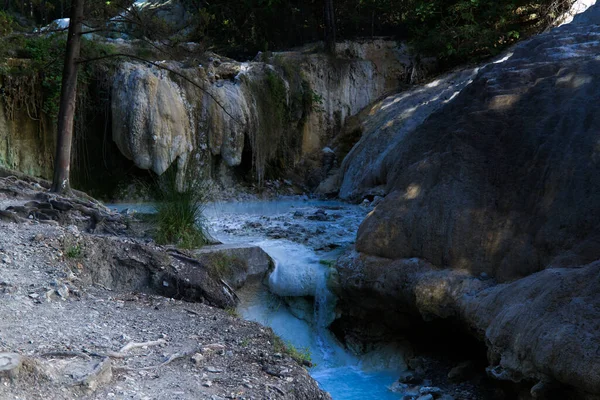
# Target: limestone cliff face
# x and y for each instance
(364, 73)
(275, 111)
(26, 144)
(150, 121)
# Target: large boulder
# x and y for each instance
(542, 328)
(503, 179)
(491, 216)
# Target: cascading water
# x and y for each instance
(302, 237)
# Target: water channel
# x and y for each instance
(304, 237)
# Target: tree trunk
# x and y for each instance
(329, 27)
(68, 96)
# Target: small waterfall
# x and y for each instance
(295, 300)
(300, 275)
(324, 314)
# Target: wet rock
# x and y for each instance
(319, 215)
(253, 225)
(430, 390)
(462, 371)
(376, 201)
(398, 387)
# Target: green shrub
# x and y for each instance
(467, 30)
(179, 218)
(6, 24)
(73, 251)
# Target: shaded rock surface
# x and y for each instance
(504, 178)
(491, 216)
(527, 325)
(236, 263)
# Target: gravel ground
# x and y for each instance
(72, 336)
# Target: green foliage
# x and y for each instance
(6, 24)
(47, 54)
(73, 251)
(453, 30)
(39, 88)
(468, 30)
(270, 147)
(179, 218)
(232, 312)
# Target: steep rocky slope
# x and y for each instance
(500, 183)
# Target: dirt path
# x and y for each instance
(72, 336)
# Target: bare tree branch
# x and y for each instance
(158, 65)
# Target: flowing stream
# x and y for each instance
(304, 237)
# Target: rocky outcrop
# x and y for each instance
(237, 264)
(208, 112)
(386, 124)
(344, 86)
(542, 328)
(150, 121)
(26, 139)
(503, 179)
(274, 111)
(492, 209)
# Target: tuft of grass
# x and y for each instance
(232, 312)
(179, 218)
(301, 356)
(73, 251)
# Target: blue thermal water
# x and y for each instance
(300, 274)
